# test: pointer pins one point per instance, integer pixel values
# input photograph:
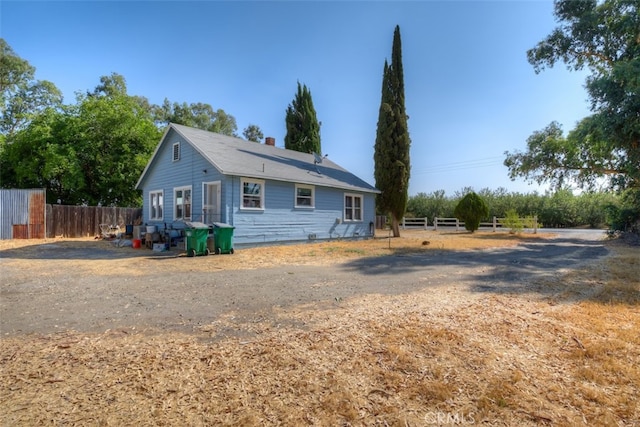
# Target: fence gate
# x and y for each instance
(22, 214)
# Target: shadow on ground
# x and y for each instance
(508, 270)
(89, 249)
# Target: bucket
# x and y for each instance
(151, 229)
(137, 243)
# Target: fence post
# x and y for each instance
(494, 224)
(457, 224)
(403, 223)
(535, 224)
(426, 222)
(435, 223)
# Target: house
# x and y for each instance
(269, 194)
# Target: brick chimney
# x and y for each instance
(270, 141)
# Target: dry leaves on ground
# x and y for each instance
(569, 360)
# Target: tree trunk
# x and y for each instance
(395, 226)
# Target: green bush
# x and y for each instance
(471, 209)
(625, 216)
(513, 222)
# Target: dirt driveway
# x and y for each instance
(93, 286)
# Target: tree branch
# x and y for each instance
(589, 54)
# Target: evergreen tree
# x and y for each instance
(471, 209)
(303, 128)
(253, 133)
(391, 156)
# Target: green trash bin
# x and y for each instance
(196, 234)
(223, 237)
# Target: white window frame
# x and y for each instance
(353, 208)
(259, 182)
(175, 204)
(159, 206)
(175, 152)
(205, 213)
(312, 198)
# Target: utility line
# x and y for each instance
(461, 165)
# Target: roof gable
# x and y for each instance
(235, 156)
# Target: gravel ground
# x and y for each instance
(53, 288)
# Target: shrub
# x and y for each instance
(471, 209)
(513, 221)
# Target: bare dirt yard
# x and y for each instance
(434, 328)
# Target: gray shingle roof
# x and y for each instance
(235, 156)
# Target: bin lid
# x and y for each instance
(222, 225)
(196, 225)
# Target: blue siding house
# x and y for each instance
(269, 194)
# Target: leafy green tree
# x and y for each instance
(391, 154)
(499, 201)
(589, 207)
(253, 133)
(472, 209)
(89, 153)
(198, 115)
(116, 136)
(430, 205)
(559, 209)
(602, 36)
(39, 157)
(21, 96)
(303, 128)
(623, 214)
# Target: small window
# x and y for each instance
(176, 151)
(304, 196)
(352, 207)
(156, 205)
(182, 203)
(252, 194)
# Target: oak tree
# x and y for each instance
(604, 37)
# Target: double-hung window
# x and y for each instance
(304, 196)
(252, 194)
(352, 207)
(156, 205)
(182, 202)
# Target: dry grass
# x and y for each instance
(142, 261)
(376, 360)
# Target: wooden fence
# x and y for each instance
(85, 221)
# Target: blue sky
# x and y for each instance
(470, 92)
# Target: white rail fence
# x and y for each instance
(415, 223)
(422, 223)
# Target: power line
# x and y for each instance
(461, 165)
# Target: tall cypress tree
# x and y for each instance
(303, 128)
(391, 156)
